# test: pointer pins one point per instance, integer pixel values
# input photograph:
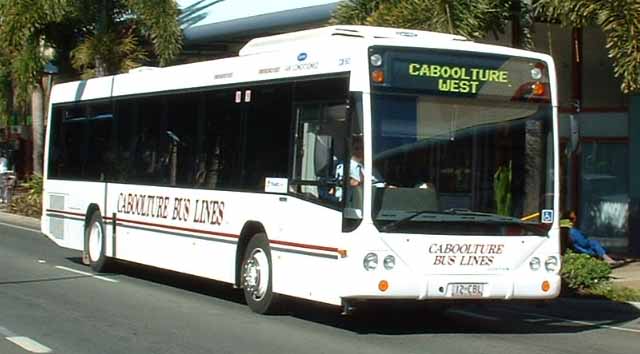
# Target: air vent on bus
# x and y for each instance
(56, 224)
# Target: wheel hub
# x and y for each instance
(256, 275)
(95, 242)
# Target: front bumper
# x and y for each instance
(439, 287)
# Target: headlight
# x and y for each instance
(370, 261)
(534, 264)
(389, 262)
(536, 73)
(551, 264)
(376, 60)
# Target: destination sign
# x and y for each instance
(463, 74)
(456, 78)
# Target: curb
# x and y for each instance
(19, 220)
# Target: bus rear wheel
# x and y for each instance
(95, 243)
(257, 275)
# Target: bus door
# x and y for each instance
(314, 209)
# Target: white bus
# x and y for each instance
(339, 164)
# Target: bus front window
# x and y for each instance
(462, 166)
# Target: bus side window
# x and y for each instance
(267, 133)
(81, 141)
(99, 142)
(219, 141)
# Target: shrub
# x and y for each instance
(27, 198)
(581, 271)
(615, 292)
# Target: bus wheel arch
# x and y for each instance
(250, 229)
(91, 209)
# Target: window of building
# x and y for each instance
(604, 191)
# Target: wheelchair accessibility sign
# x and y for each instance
(547, 216)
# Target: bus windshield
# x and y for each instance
(461, 166)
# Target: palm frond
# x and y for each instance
(620, 21)
(357, 12)
(22, 25)
(26, 66)
(116, 52)
(158, 19)
(470, 18)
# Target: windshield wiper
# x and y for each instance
(401, 221)
(489, 216)
(470, 216)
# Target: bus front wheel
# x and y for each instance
(257, 275)
(95, 243)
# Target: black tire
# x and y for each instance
(95, 243)
(258, 292)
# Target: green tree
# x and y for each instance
(470, 18)
(6, 88)
(115, 31)
(620, 21)
(97, 37)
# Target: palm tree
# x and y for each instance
(113, 39)
(470, 18)
(618, 19)
(6, 88)
(107, 35)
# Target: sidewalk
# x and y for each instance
(628, 274)
(24, 221)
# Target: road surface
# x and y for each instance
(51, 303)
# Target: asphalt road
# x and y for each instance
(50, 302)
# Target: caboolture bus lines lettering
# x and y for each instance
(162, 207)
(458, 79)
(465, 254)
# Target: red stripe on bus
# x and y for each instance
(301, 245)
(178, 228)
(152, 224)
(66, 212)
(276, 242)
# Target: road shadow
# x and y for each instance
(558, 317)
(76, 260)
(172, 279)
(403, 318)
(561, 316)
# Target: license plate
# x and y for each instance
(466, 289)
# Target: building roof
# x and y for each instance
(220, 38)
